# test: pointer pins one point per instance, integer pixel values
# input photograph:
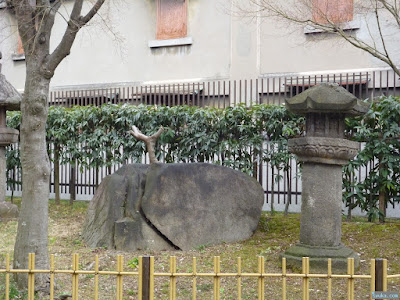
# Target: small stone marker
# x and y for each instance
(323, 151)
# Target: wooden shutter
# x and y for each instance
(20, 48)
(336, 11)
(171, 19)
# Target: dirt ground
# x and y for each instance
(275, 233)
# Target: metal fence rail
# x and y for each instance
(147, 277)
(224, 93)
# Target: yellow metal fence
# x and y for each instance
(146, 277)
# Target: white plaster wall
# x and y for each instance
(285, 48)
(114, 48)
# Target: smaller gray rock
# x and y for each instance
(8, 210)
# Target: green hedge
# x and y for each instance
(234, 137)
(379, 129)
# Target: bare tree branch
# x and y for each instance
(93, 11)
(150, 141)
(392, 9)
(75, 23)
(302, 12)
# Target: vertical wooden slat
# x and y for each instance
(151, 278)
(172, 278)
(261, 271)
(239, 278)
(217, 270)
(372, 283)
(283, 278)
(75, 276)
(194, 282)
(140, 279)
(306, 279)
(350, 281)
(120, 268)
(31, 276)
(52, 277)
(329, 279)
(384, 277)
(7, 295)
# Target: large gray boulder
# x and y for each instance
(172, 206)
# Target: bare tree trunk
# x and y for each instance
(33, 221)
(57, 173)
(13, 186)
(382, 194)
(289, 195)
(255, 165)
(72, 186)
(272, 192)
(35, 21)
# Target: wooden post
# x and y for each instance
(380, 275)
(145, 278)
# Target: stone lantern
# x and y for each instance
(10, 99)
(323, 151)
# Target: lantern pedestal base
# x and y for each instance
(319, 257)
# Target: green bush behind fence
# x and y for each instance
(236, 137)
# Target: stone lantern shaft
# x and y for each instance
(323, 151)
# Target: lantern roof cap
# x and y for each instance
(326, 98)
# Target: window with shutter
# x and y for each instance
(336, 11)
(171, 19)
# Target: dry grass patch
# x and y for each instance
(274, 235)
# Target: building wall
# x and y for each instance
(114, 49)
(286, 48)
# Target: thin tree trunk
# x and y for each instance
(289, 195)
(97, 179)
(272, 191)
(13, 186)
(255, 165)
(382, 195)
(349, 210)
(72, 188)
(33, 220)
(57, 173)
